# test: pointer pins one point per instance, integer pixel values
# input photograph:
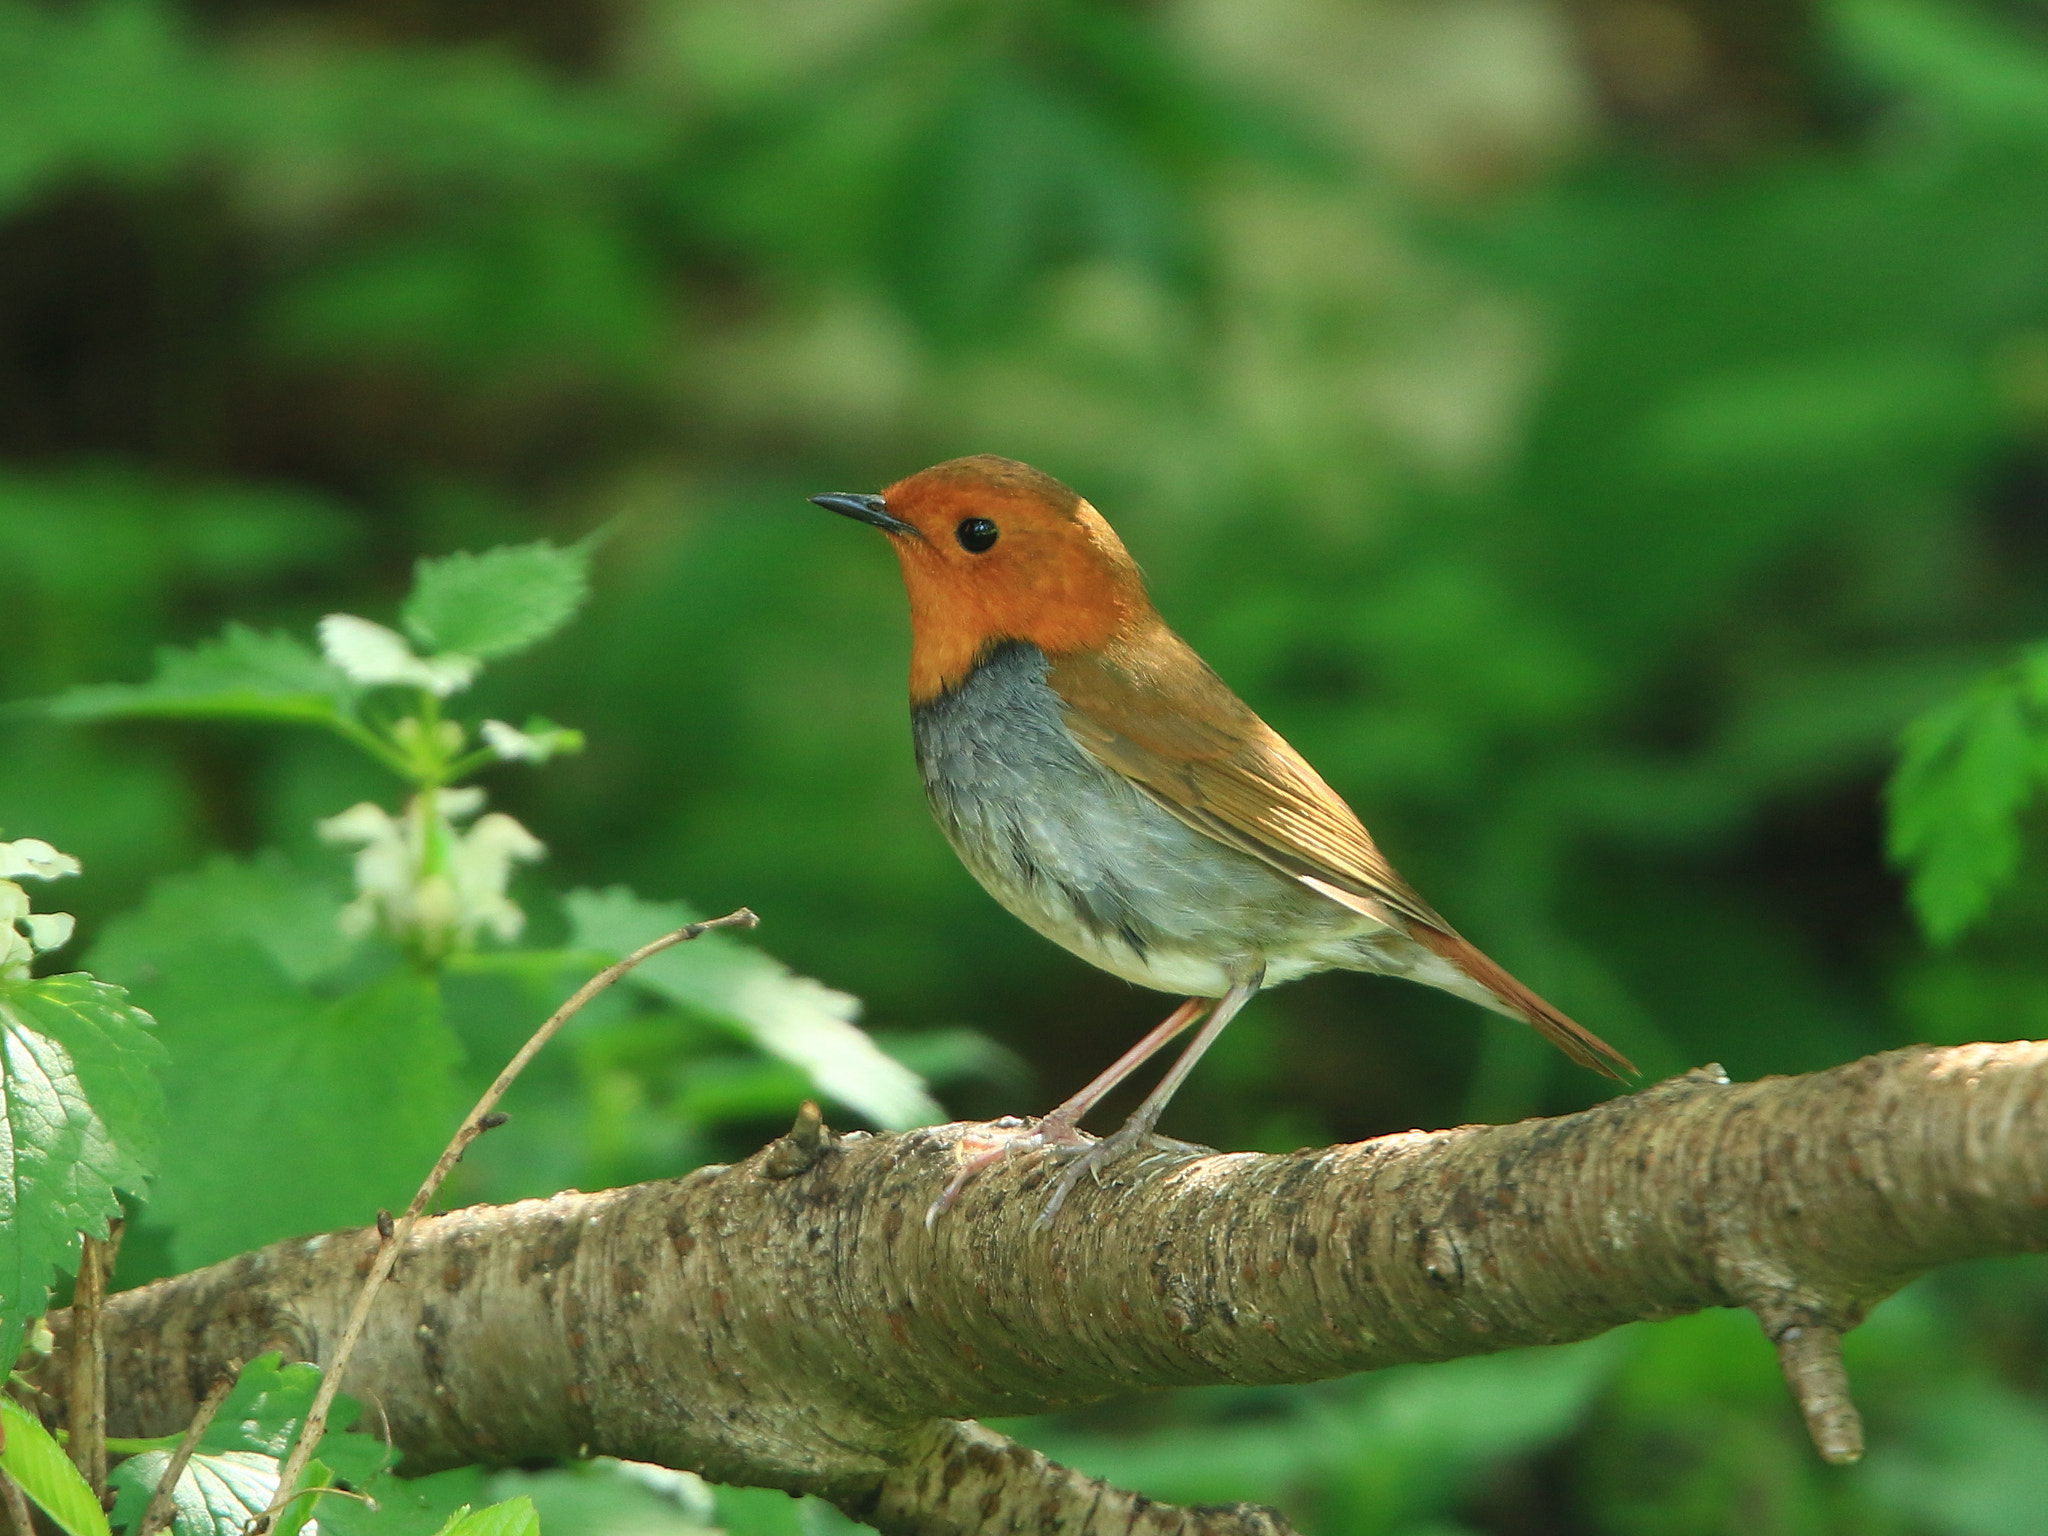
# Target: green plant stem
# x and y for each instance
(356, 732)
(464, 766)
(433, 766)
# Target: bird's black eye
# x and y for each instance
(977, 535)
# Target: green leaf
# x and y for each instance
(1968, 769)
(604, 1497)
(303, 1097)
(406, 1506)
(235, 1469)
(514, 1517)
(81, 1115)
(242, 675)
(33, 1459)
(269, 1402)
(1979, 67)
(218, 1493)
(792, 1017)
(498, 602)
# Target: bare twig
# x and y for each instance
(163, 1504)
(87, 1400)
(14, 1508)
(480, 1119)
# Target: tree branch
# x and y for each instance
(790, 1321)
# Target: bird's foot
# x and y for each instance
(999, 1140)
(1136, 1135)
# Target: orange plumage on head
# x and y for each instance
(1059, 577)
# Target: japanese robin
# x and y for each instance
(1109, 789)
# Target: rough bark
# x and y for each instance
(791, 1321)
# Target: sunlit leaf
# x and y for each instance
(514, 1517)
(1969, 767)
(241, 675)
(80, 1118)
(1972, 63)
(497, 602)
(218, 1493)
(34, 1460)
(297, 1105)
(790, 1016)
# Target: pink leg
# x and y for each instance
(1062, 1126)
(1137, 1130)
(1069, 1114)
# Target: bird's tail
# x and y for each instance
(1575, 1040)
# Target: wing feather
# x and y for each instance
(1157, 715)
(1150, 708)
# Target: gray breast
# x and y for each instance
(1091, 861)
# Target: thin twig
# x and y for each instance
(163, 1504)
(474, 1124)
(14, 1504)
(87, 1399)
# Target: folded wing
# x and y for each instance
(1158, 715)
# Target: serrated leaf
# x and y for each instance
(294, 1107)
(497, 602)
(239, 1454)
(243, 674)
(789, 1016)
(1967, 770)
(269, 1401)
(514, 1517)
(218, 1493)
(34, 1460)
(80, 1118)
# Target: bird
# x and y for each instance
(1104, 785)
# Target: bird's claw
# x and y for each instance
(1094, 1158)
(999, 1141)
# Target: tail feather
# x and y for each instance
(1575, 1040)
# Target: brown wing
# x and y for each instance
(1161, 718)
(1156, 713)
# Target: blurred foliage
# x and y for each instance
(1592, 432)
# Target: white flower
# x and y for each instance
(15, 954)
(25, 934)
(374, 656)
(517, 746)
(428, 882)
(47, 930)
(480, 867)
(34, 857)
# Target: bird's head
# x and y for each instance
(994, 550)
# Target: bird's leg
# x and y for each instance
(1063, 1126)
(1067, 1118)
(1137, 1130)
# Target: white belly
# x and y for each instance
(1094, 864)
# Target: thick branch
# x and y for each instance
(790, 1321)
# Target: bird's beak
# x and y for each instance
(871, 510)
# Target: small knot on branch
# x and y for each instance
(1810, 1355)
(745, 917)
(799, 1149)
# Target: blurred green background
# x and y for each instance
(1589, 429)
